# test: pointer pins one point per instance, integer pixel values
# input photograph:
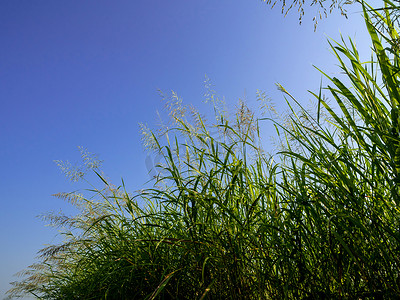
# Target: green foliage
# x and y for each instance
(317, 220)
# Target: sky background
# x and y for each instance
(85, 73)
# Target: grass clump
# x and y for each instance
(319, 219)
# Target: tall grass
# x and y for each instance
(225, 220)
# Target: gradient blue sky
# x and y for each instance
(85, 73)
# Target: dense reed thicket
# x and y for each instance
(318, 219)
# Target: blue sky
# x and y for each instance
(85, 73)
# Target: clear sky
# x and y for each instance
(85, 73)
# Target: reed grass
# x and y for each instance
(318, 219)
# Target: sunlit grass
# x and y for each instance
(319, 219)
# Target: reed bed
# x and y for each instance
(317, 219)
